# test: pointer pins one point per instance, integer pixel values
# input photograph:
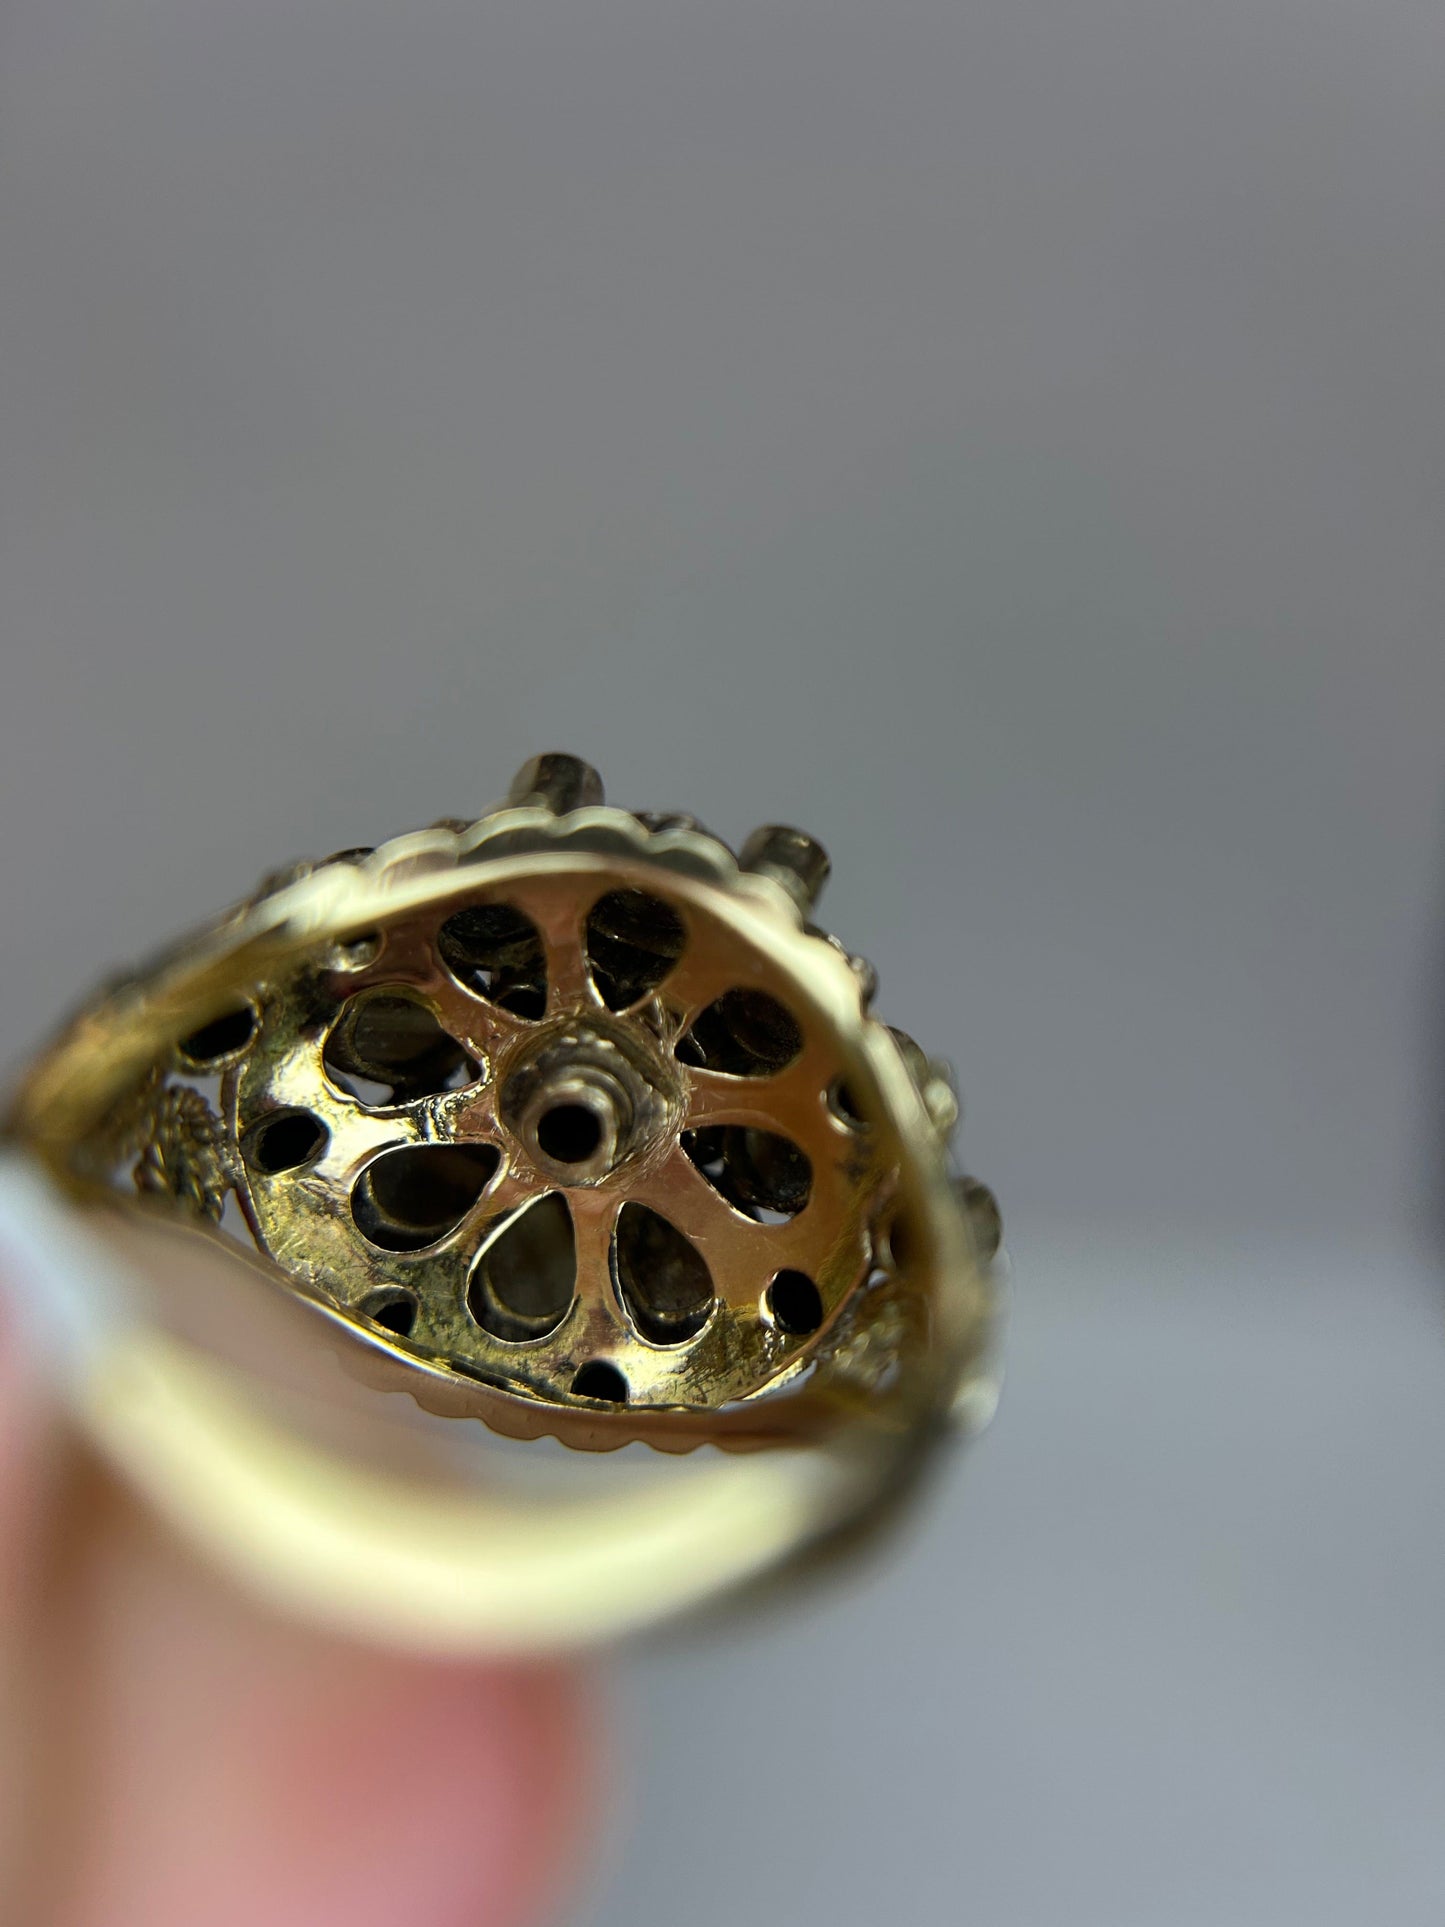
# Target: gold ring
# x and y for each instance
(511, 1236)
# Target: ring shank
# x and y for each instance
(247, 1413)
(361, 1513)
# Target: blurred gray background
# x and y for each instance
(1007, 439)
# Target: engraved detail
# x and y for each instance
(869, 1349)
(184, 1154)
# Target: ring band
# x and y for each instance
(511, 1236)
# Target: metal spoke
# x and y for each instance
(356, 1134)
(409, 957)
(472, 1018)
(734, 1248)
(598, 1328)
(594, 1213)
(551, 903)
(695, 980)
(508, 1191)
(569, 983)
(467, 1114)
(789, 1100)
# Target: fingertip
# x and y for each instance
(228, 1767)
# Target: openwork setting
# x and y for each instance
(562, 1118)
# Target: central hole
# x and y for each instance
(569, 1133)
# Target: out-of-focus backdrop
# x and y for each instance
(1006, 439)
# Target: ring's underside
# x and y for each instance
(561, 1119)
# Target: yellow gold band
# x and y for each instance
(248, 1401)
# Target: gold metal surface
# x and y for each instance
(565, 1119)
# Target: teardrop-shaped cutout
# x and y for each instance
(760, 1173)
(662, 1277)
(633, 940)
(388, 1047)
(413, 1196)
(744, 1033)
(525, 1279)
(497, 952)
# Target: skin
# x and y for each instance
(172, 1757)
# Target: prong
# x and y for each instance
(913, 1054)
(791, 857)
(984, 1217)
(867, 977)
(935, 1081)
(556, 782)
